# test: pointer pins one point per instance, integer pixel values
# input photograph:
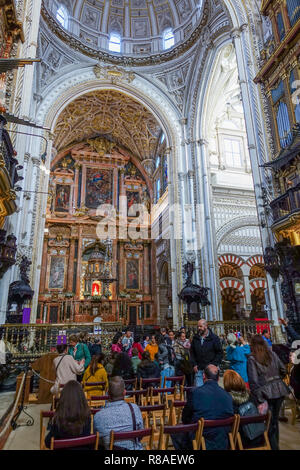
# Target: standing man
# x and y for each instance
(205, 349)
(127, 342)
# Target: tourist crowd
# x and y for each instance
(252, 385)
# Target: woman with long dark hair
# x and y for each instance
(95, 373)
(117, 343)
(123, 368)
(265, 373)
(72, 417)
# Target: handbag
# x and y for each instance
(254, 430)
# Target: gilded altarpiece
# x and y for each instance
(83, 276)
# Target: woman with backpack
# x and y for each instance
(251, 434)
(265, 373)
(183, 365)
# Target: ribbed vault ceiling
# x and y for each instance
(110, 114)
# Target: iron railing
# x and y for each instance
(37, 339)
(287, 204)
(24, 341)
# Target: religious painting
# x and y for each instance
(57, 272)
(132, 274)
(62, 198)
(133, 197)
(99, 187)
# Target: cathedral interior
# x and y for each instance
(139, 137)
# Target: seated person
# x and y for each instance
(123, 368)
(252, 434)
(66, 368)
(210, 402)
(117, 415)
(147, 369)
(95, 373)
(72, 417)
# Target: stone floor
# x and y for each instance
(27, 438)
(6, 398)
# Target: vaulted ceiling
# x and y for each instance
(113, 115)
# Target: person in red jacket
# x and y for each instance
(138, 346)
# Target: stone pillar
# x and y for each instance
(78, 280)
(257, 142)
(209, 264)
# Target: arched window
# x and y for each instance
(168, 39)
(114, 43)
(62, 16)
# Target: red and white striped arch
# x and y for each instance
(256, 283)
(258, 259)
(233, 283)
(230, 259)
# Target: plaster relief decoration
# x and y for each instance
(123, 120)
(57, 272)
(99, 187)
(90, 17)
(113, 74)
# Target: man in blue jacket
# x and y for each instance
(209, 401)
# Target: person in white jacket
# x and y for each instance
(66, 368)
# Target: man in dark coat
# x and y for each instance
(205, 349)
(210, 402)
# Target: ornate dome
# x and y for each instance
(140, 25)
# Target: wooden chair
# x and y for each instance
(132, 382)
(184, 392)
(140, 397)
(179, 380)
(145, 383)
(92, 440)
(141, 434)
(175, 412)
(231, 422)
(97, 400)
(94, 385)
(158, 396)
(154, 416)
(44, 415)
(166, 431)
(265, 443)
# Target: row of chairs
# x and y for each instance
(143, 383)
(156, 436)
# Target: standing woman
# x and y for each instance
(152, 347)
(265, 374)
(117, 346)
(79, 351)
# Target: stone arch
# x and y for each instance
(233, 283)
(231, 259)
(256, 259)
(257, 283)
(62, 92)
(235, 224)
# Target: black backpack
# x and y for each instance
(251, 431)
(171, 355)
